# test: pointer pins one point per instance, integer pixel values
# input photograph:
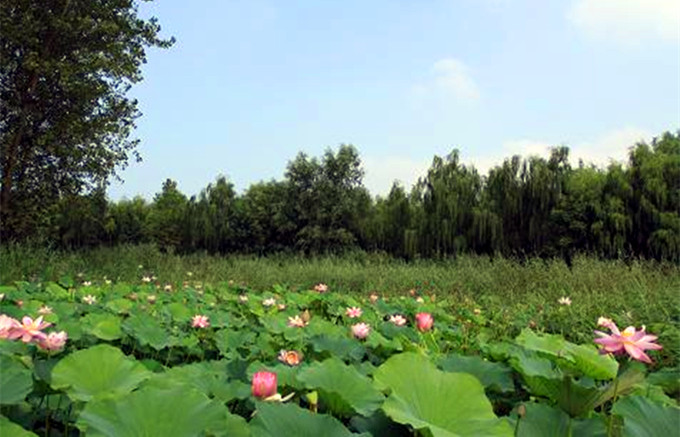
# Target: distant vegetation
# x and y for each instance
(523, 207)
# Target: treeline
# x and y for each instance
(524, 207)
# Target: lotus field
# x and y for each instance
(107, 358)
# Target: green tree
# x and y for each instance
(65, 118)
(165, 220)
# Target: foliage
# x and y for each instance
(65, 118)
(145, 368)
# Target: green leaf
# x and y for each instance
(542, 420)
(584, 358)
(289, 420)
(493, 376)
(103, 326)
(644, 418)
(147, 331)
(448, 404)
(11, 429)
(178, 412)
(101, 370)
(16, 381)
(341, 386)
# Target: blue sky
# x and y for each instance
(251, 83)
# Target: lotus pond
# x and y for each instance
(103, 358)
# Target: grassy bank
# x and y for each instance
(510, 295)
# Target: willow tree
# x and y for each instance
(65, 117)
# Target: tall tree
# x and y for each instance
(65, 118)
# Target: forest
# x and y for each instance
(526, 206)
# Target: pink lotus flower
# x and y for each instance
(424, 321)
(264, 384)
(354, 312)
(361, 330)
(398, 320)
(54, 341)
(630, 341)
(296, 322)
(321, 288)
(7, 325)
(29, 330)
(199, 321)
(269, 302)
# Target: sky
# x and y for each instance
(249, 84)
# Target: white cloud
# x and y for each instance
(628, 21)
(611, 146)
(381, 172)
(450, 78)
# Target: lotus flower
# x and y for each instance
(269, 302)
(292, 358)
(398, 320)
(87, 283)
(7, 325)
(424, 321)
(243, 298)
(54, 341)
(168, 287)
(361, 330)
(264, 384)
(146, 279)
(199, 321)
(321, 288)
(373, 297)
(353, 312)
(630, 341)
(89, 299)
(564, 300)
(151, 299)
(44, 310)
(296, 322)
(29, 330)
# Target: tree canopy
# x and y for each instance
(65, 117)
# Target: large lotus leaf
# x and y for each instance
(340, 347)
(16, 381)
(11, 429)
(583, 358)
(120, 306)
(668, 378)
(289, 420)
(180, 313)
(103, 326)
(592, 363)
(644, 418)
(228, 341)
(493, 376)
(448, 404)
(147, 331)
(178, 412)
(379, 424)
(99, 371)
(542, 420)
(341, 386)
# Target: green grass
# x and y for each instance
(510, 294)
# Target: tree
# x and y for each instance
(65, 118)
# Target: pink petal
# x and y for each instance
(636, 353)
